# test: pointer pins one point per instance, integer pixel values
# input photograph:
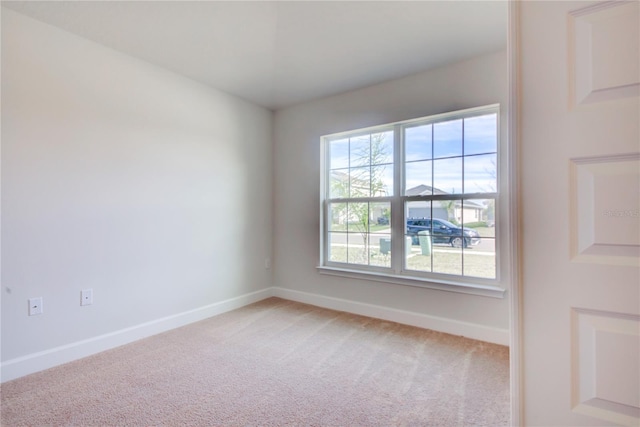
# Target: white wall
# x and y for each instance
(298, 129)
(119, 176)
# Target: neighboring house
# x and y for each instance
(473, 211)
(343, 186)
(360, 184)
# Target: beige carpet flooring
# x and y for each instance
(274, 363)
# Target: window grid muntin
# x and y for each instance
(453, 196)
(352, 167)
(493, 239)
(348, 232)
(399, 199)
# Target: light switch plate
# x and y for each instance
(35, 306)
(86, 297)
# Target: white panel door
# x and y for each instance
(580, 196)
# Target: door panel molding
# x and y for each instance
(604, 52)
(580, 365)
(604, 214)
(605, 364)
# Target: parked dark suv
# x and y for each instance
(442, 232)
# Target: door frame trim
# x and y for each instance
(515, 294)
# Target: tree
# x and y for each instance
(490, 206)
(450, 206)
(365, 180)
(490, 210)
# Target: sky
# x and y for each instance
(436, 155)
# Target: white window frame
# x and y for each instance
(397, 274)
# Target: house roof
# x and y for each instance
(426, 190)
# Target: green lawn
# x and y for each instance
(359, 256)
(443, 260)
(453, 262)
(373, 228)
(486, 231)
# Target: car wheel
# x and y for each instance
(457, 242)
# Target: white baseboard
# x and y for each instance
(441, 324)
(35, 362)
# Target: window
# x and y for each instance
(414, 200)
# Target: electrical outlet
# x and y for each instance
(86, 297)
(35, 306)
(267, 263)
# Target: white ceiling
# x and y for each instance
(278, 54)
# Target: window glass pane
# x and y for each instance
(416, 214)
(380, 217)
(382, 148)
(380, 249)
(447, 260)
(479, 254)
(380, 238)
(447, 238)
(357, 250)
(360, 182)
(418, 252)
(480, 174)
(447, 175)
(445, 232)
(447, 139)
(338, 217)
(338, 247)
(480, 260)
(339, 183)
(436, 241)
(365, 233)
(358, 217)
(339, 154)
(418, 143)
(360, 151)
(420, 258)
(481, 134)
(478, 215)
(418, 179)
(381, 180)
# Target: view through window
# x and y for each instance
(415, 198)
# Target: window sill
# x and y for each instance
(442, 285)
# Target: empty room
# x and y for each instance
(328, 213)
